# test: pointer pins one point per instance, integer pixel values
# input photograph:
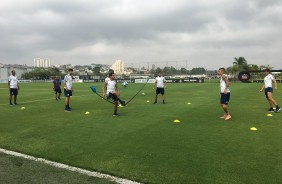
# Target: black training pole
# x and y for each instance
(137, 92)
(94, 90)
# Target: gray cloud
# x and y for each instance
(206, 33)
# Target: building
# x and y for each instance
(5, 71)
(118, 67)
(43, 63)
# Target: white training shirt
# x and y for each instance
(68, 82)
(107, 79)
(13, 81)
(268, 81)
(160, 82)
(223, 85)
(111, 86)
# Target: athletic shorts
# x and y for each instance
(68, 93)
(266, 90)
(112, 96)
(58, 90)
(160, 91)
(14, 91)
(224, 99)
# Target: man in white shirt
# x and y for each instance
(224, 93)
(68, 89)
(108, 78)
(160, 83)
(267, 86)
(110, 86)
(13, 87)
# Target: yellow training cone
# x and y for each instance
(176, 121)
(189, 103)
(269, 115)
(148, 100)
(120, 105)
(22, 107)
(87, 113)
(253, 129)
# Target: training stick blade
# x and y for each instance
(93, 88)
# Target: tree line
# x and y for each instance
(47, 74)
(240, 64)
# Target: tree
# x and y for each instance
(262, 67)
(42, 73)
(233, 70)
(253, 67)
(183, 71)
(167, 70)
(242, 64)
(96, 70)
(199, 70)
(55, 72)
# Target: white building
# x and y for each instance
(5, 71)
(118, 67)
(44, 63)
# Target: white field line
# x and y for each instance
(69, 168)
(25, 102)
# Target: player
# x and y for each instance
(267, 86)
(224, 93)
(160, 83)
(68, 89)
(108, 78)
(13, 87)
(57, 87)
(112, 92)
(125, 84)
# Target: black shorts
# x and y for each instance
(14, 91)
(225, 98)
(160, 91)
(266, 90)
(58, 90)
(68, 93)
(112, 96)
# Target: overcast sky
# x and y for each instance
(208, 33)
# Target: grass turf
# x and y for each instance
(18, 170)
(144, 144)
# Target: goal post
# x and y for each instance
(142, 78)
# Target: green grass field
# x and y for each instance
(144, 144)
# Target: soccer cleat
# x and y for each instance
(16, 103)
(123, 103)
(155, 102)
(271, 109)
(115, 114)
(59, 98)
(67, 110)
(11, 104)
(223, 117)
(228, 117)
(278, 109)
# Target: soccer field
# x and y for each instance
(144, 144)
